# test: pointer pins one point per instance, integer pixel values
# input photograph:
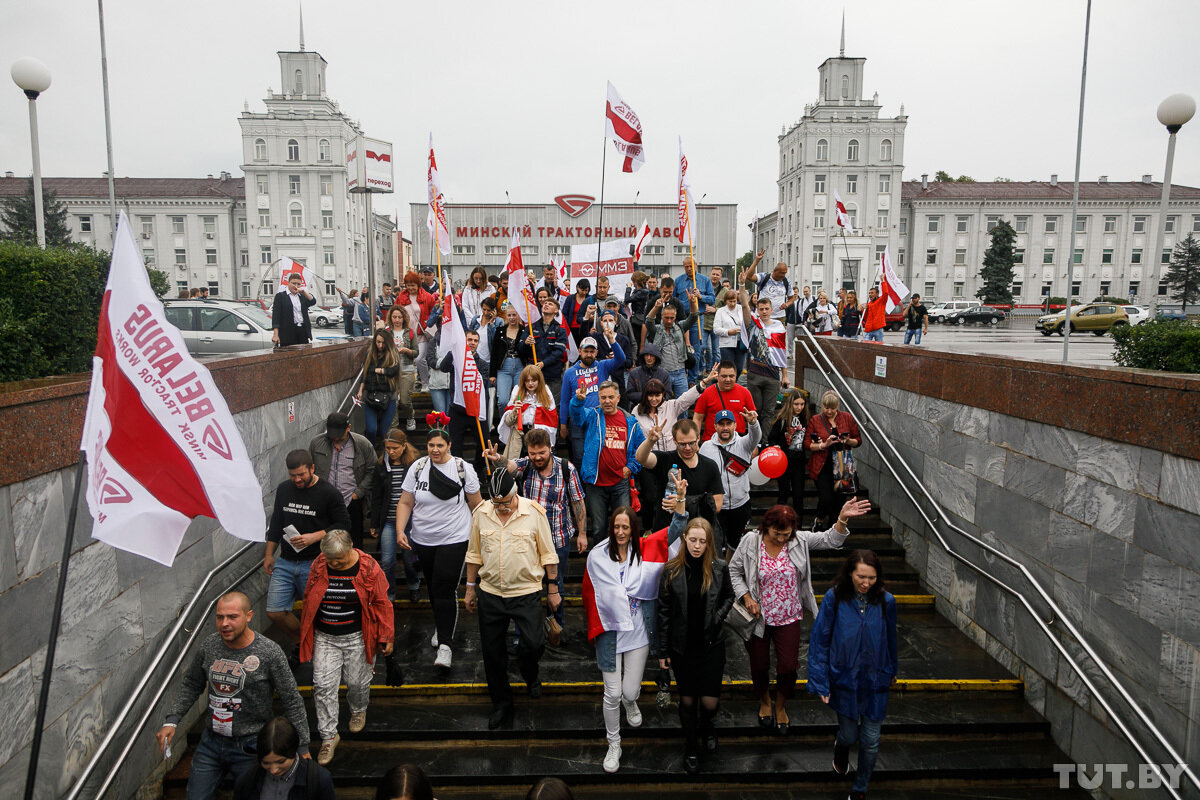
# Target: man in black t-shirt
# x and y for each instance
(311, 506)
(916, 319)
(702, 474)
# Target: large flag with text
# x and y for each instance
(687, 204)
(435, 220)
(288, 267)
(622, 125)
(522, 300)
(468, 383)
(891, 288)
(162, 447)
(843, 217)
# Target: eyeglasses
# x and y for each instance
(686, 444)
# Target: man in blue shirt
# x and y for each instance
(587, 373)
(683, 284)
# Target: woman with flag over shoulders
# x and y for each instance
(620, 590)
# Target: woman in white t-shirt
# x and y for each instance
(729, 323)
(439, 494)
(473, 293)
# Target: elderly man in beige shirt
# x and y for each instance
(509, 551)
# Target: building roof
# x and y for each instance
(129, 188)
(1043, 190)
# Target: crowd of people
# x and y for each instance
(638, 455)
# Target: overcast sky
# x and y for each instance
(514, 91)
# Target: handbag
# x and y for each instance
(395, 673)
(553, 631)
(741, 621)
(845, 476)
(377, 400)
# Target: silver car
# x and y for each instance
(218, 327)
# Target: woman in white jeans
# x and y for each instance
(619, 592)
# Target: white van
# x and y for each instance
(939, 312)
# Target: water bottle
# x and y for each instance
(672, 476)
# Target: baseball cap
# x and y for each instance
(587, 342)
(611, 301)
(337, 422)
(428, 269)
(725, 414)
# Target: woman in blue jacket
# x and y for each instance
(852, 661)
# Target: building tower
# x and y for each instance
(840, 143)
(294, 162)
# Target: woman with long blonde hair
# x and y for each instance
(377, 389)
(405, 337)
(531, 405)
(693, 600)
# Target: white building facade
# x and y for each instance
(937, 232)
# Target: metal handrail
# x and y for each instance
(115, 728)
(1058, 614)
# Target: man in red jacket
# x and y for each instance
(347, 618)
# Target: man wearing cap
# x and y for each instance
(346, 460)
(428, 281)
(587, 373)
(509, 551)
(289, 314)
(732, 453)
(612, 305)
(549, 341)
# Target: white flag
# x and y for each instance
(519, 296)
(622, 125)
(642, 235)
(687, 205)
(435, 220)
(891, 288)
(843, 217)
(162, 447)
(288, 267)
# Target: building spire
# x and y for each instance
(841, 50)
(301, 5)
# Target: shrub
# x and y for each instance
(1165, 344)
(49, 309)
(1119, 301)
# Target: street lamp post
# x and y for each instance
(1173, 113)
(33, 78)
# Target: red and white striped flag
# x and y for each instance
(622, 125)
(162, 447)
(890, 286)
(519, 296)
(468, 383)
(564, 288)
(288, 267)
(843, 217)
(642, 235)
(687, 206)
(435, 220)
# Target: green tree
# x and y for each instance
(19, 218)
(1183, 276)
(997, 272)
(158, 281)
(744, 262)
(941, 176)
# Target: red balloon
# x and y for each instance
(772, 462)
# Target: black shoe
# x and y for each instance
(534, 689)
(710, 744)
(781, 728)
(691, 764)
(765, 721)
(857, 796)
(414, 595)
(499, 717)
(841, 758)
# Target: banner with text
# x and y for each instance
(615, 262)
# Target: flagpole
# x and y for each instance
(112, 192)
(600, 227)
(528, 319)
(483, 444)
(35, 745)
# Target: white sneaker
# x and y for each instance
(411, 425)
(612, 759)
(633, 714)
(443, 657)
(433, 642)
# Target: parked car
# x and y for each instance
(1137, 314)
(218, 327)
(1171, 313)
(257, 304)
(939, 312)
(1098, 318)
(325, 317)
(979, 315)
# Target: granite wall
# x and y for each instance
(119, 607)
(1090, 478)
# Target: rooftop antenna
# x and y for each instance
(841, 50)
(301, 5)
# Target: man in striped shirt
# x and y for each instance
(766, 367)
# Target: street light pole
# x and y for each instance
(33, 78)
(1173, 113)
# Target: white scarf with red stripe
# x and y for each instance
(531, 410)
(606, 591)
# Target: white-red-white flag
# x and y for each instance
(519, 296)
(435, 220)
(468, 383)
(843, 217)
(288, 267)
(643, 235)
(622, 125)
(891, 288)
(564, 288)
(687, 205)
(162, 447)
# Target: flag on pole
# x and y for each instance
(687, 206)
(435, 220)
(642, 235)
(288, 267)
(162, 447)
(622, 125)
(564, 290)
(890, 286)
(468, 383)
(519, 296)
(843, 217)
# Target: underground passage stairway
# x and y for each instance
(957, 727)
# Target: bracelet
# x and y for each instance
(843, 522)
(471, 585)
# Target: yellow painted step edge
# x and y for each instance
(575, 602)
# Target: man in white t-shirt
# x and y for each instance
(766, 367)
(773, 285)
